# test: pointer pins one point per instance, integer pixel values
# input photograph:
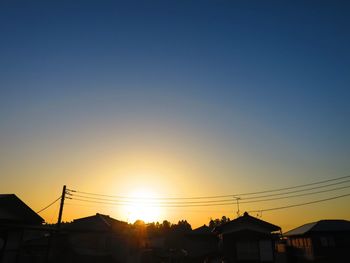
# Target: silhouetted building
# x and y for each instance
(14, 211)
(248, 239)
(99, 238)
(201, 244)
(322, 241)
(19, 224)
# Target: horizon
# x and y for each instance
(141, 206)
(176, 99)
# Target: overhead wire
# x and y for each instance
(296, 186)
(238, 195)
(300, 204)
(148, 205)
(298, 195)
(209, 204)
(55, 212)
(162, 204)
(221, 200)
(48, 205)
(298, 191)
(214, 202)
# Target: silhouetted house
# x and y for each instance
(322, 241)
(100, 238)
(201, 244)
(248, 239)
(14, 211)
(18, 224)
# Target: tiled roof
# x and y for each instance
(320, 226)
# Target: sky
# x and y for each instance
(177, 99)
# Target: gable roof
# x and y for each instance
(98, 222)
(202, 230)
(320, 226)
(246, 222)
(14, 210)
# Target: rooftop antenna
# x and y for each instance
(237, 200)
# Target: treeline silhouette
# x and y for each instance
(165, 227)
(217, 222)
(173, 234)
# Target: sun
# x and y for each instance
(142, 205)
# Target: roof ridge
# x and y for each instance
(103, 218)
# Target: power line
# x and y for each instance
(297, 186)
(301, 204)
(227, 201)
(154, 198)
(216, 196)
(147, 201)
(98, 201)
(298, 191)
(298, 195)
(48, 205)
(90, 206)
(54, 213)
(149, 205)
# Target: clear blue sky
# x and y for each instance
(252, 83)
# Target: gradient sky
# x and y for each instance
(185, 98)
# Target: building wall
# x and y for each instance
(253, 249)
(12, 240)
(13, 247)
(302, 247)
(321, 247)
(332, 247)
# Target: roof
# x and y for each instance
(203, 230)
(98, 222)
(329, 225)
(14, 210)
(246, 222)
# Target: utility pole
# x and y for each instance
(61, 207)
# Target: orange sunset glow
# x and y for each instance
(140, 206)
(174, 131)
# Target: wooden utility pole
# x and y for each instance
(61, 207)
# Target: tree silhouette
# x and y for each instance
(217, 222)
